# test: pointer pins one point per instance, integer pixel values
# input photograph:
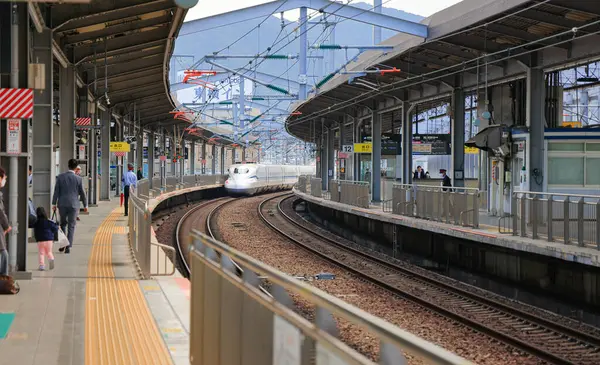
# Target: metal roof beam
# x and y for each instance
(126, 67)
(122, 44)
(70, 20)
(541, 16)
(140, 96)
(137, 82)
(123, 58)
(110, 31)
(132, 74)
(585, 6)
(520, 34)
(330, 7)
(138, 88)
(478, 44)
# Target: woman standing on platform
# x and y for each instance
(5, 227)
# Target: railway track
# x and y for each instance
(200, 217)
(543, 338)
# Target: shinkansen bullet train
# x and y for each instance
(249, 178)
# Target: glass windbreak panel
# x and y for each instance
(565, 170)
(592, 173)
(565, 147)
(593, 147)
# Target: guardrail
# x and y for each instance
(315, 187)
(231, 319)
(569, 218)
(154, 258)
(458, 206)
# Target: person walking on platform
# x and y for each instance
(129, 181)
(5, 228)
(445, 180)
(68, 192)
(44, 232)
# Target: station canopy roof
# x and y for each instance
(128, 44)
(458, 36)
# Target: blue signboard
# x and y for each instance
(145, 170)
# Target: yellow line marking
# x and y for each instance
(119, 327)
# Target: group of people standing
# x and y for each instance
(68, 197)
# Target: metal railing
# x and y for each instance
(315, 187)
(458, 206)
(152, 257)
(569, 218)
(231, 319)
(355, 193)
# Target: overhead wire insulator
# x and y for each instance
(327, 78)
(278, 89)
(277, 57)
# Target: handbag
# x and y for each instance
(55, 222)
(63, 241)
(8, 285)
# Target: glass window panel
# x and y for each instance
(593, 147)
(566, 147)
(593, 171)
(565, 171)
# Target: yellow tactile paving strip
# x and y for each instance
(119, 328)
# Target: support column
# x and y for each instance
(376, 28)
(330, 156)
(213, 160)
(458, 138)
(233, 155)
(163, 164)
(376, 155)
(204, 158)
(93, 158)
(105, 155)
(536, 122)
(14, 49)
(324, 160)
(222, 160)
(406, 143)
(68, 86)
(193, 158)
(302, 78)
(182, 161)
(151, 143)
(120, 127)
(43, 138)
(139, 149)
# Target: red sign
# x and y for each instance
(83, 121)
(204, 162)
(163, 158)
(342, 155)
(16, 103)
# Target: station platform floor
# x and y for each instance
(487, 233)
(93, 308)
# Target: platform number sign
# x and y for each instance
(348, 148)
(13, 136)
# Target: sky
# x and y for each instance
(207, 8)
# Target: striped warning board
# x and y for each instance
(16, 103)
(81, 122)
(120, 154)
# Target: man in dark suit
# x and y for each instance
(68, 192)
(445, 180)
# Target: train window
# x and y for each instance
(235, 171)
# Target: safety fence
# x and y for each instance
(356, 193)
(458, 206)
(154, 258)
(315, 187)
(568, 218)
(234, 322)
